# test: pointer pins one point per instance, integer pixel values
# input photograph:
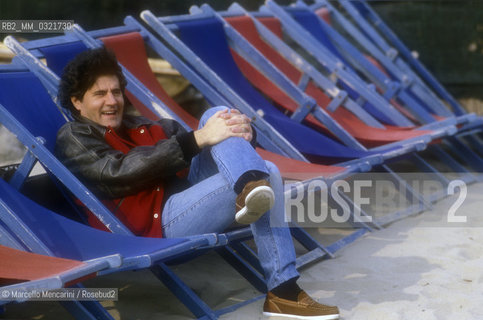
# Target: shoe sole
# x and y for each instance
(293, 316)
(257, 202)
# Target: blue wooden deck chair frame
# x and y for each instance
(39, 151)
(311, 74)
(399, 57)
(307, 105)
(401, 86)
(157, 24)
(388, 58)
(251, 54)
(468, 157)
(320, 46)
(315, 250)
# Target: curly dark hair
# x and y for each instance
(81, 73)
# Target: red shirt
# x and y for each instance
(140, 212)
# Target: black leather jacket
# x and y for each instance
(110, 173)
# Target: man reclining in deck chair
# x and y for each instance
(140, 166)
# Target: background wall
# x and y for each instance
(448, 36)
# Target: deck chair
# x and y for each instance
(471, 159)
(339, 50)
(301, 20)
(399, 61)
(357, 123)
(315, 250)
(140, 67)
(222, 55)
(350, 115)
(44, 124)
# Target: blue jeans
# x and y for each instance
(209, 204)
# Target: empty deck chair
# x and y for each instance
(221, 61)
(211, 46)
(366, 134)
(376, 65)
(423, 105)
(309, 71)
(306, 22)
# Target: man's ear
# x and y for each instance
(76, 102)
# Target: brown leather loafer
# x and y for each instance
(304, 308)
(256, 198)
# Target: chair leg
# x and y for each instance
(183, 292)
(465, 153)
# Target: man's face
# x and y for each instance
(102, 103)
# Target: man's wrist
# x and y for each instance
(199, 138)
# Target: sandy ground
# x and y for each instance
(421, 267)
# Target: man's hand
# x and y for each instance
(222, 125)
